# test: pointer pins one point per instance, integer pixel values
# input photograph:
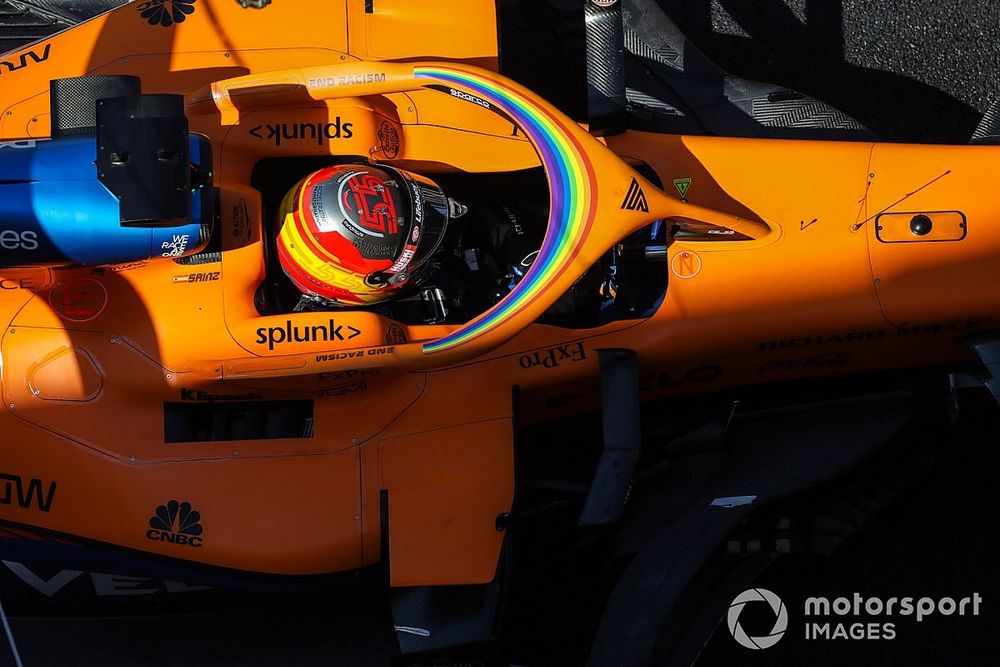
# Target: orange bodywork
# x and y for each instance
(832, 281)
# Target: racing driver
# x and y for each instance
(356, 235)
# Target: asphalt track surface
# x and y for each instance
(911, 70)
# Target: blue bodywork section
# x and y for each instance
(55, 212)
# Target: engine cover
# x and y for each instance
(54, 210)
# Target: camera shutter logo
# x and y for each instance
(780, 622)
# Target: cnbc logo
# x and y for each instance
(176, 523)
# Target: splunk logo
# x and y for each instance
(318, 132)
(176, 523)
(325, 333)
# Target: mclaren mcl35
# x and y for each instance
(690, 357)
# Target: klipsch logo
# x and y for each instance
(635, 198)
(780, 619)
(165, 13)
(198, 395)
(318, 132)
(176, 523)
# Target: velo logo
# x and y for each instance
(780, 619)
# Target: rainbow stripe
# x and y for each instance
(573, 188)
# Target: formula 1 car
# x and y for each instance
(691, 351)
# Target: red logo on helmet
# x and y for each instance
(369, 198)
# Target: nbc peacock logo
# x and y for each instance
(177, 523)
(165, 13)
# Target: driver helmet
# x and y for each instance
(355, 234)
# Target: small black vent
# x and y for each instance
(250, 420)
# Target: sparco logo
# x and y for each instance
(326, 333)
(318, 132)
(23, 60)
(469, 98)
(176, 523)
(780, 619)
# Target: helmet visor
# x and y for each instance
(426, 232)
